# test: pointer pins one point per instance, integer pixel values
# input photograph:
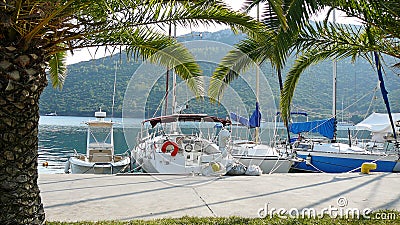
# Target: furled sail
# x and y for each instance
(253, 121)
(324, 127)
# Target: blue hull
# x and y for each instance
(335, 163)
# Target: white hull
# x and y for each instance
(182, 163)
(267, 164)
(149, 156)
(78, 166)
(194, 149)
(267, 158)
(396, 168)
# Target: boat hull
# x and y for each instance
(329, 162)
(166, 164)
(396, 168)
(267, 164)
(78, 166)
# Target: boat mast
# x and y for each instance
(173, 125)
(256, 135)
(334, 65)
(167, 79)
(174, 83)
(113, 97)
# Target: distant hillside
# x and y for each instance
(89, 85)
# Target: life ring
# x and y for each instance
(188, 148)
(168, 145)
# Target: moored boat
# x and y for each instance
(332, 157)
(100, 157)
(178, 144)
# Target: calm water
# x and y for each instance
(59, 136)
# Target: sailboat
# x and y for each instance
(179, 143)
(163, 148)
(333, 157)
(250, 152)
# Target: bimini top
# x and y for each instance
(186, 118)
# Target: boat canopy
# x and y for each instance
(186, 118)
(378, 122)
(324, 127)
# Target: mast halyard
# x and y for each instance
(113, 97)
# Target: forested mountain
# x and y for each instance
(89, 85)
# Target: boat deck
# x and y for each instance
(79, 197)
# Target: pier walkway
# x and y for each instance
(71, 197)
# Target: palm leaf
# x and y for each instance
(331, 41)
(58, 69)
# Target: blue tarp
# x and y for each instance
(324, 127)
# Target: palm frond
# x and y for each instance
(249, 52)
(332, 41)
(58, 69)
(148, 44)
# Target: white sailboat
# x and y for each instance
(100, 157)
(268, 158)
(176, 144)
(179, 144)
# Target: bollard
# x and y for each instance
(366, 167)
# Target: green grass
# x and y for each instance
(326, 220)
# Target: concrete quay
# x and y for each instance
(83, 197)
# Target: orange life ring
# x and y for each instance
(167, 144)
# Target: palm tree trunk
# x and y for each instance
(22, 80)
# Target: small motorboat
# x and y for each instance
(100, 157)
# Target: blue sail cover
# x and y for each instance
(239, 119)
(255, 118)
(253, 121)
(324, 127)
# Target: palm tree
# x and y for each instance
(283, 20)
(34, 36)
(378, 36)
